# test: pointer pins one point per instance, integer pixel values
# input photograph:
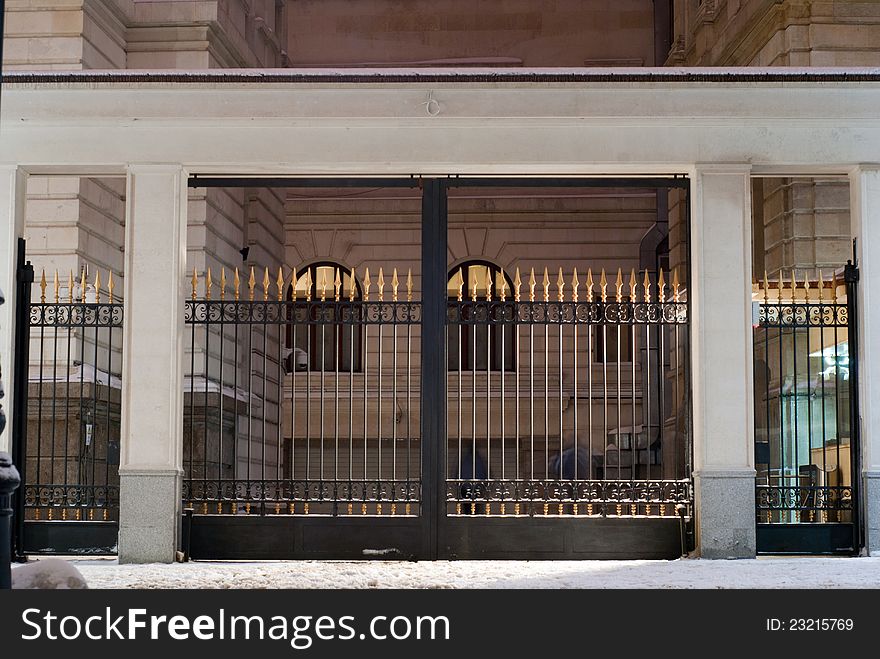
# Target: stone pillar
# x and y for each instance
(13, 183)
(724, 471)
(865, 208)
(152, 407)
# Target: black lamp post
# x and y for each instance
(9, 481)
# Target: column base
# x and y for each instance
(149, 516)
(725, 510)
(871, 494)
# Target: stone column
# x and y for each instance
(152, 375)
(12, 196)
(865, 209)
(720, 295)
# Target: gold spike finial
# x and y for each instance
(266, 283)
(475, 287)
(322, 285)
(646, 285)
(794, 287)
(395, 282)
(619, 287)
(834, 286)
(806, 288)
(766, 288)
(502, 289)
(57, 287)
(279, 284)
(195, 282)
(676, 286)
(532, 283)
(236, 284)
(252, 283)
(352, 285)
(546, 285)
(337, 285)
(632, 285)
(222, 283)
(43, 287)
(367, 285)
(517, 282)
(560, 286)
(380, 284)
(97, 285)
(590, 284)
(409, 285)
(110, 287)
(209, 281)
(83, 286)
(488, 284)
(460, 285)
(574, 286)
(603, 286)
(821, 286)
(70, 287)
(661, 287)
(779, 288)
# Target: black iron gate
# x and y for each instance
(340, 414)
(67, 396)
(806, 415)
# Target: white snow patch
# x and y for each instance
(795, 572)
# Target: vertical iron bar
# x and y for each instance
(337, 361)
(809, 399)
(207, 366)
(82, 469)
(250, 397)
(503, 327)
(489, 328)
(354, 318)
(574, 347)
(648, 378)
(24, 469)
(560, 390)
(394, 404)
(307, 492)
(408, 395)
(605, 399)
(633, 436)
(617, 386)
(109, 426)
(235, 368)
(366, 398)
(546, 391)
(379, 403)
(322, 365)
(94, 414)
(221, 407)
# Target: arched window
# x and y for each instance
(479, 347)
(328, 341)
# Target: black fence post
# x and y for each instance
(851, 279)
(25, 277)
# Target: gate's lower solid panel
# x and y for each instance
(805, 539)
(223, 537)
(70, 537)
(538, 538)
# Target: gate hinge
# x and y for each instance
(850, 273)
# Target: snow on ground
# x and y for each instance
(794, 572)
